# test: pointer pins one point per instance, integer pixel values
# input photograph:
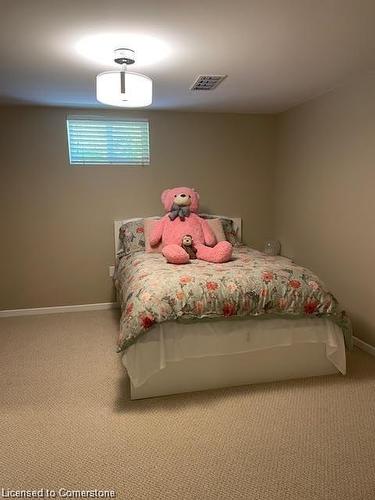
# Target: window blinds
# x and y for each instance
(108, 142)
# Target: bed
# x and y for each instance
(200, 326)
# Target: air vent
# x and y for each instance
(207, 82)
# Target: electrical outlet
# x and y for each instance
(111, 271)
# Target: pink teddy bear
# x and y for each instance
(182, 206)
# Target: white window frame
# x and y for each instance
(107, 118)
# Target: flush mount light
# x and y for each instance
(123, 88)
(98, 48)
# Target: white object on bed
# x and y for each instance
(237, 226)
(168, 359)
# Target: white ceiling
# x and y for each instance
(277, 53)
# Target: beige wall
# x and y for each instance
(325, 194)
(306, 177)
(56, 220)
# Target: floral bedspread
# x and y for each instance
(253, 284)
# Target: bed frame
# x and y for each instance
(197, 374)
(214, 372)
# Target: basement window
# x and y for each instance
(101, 141)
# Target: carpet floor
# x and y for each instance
(66, 421)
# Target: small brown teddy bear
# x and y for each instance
(187, 245)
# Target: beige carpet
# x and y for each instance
(66, 422)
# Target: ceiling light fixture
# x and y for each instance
(98, 48)
(123, 88)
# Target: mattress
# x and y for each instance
(252, 285)
(171, 341)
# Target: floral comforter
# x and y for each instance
(252, 284)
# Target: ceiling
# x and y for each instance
(276, 53)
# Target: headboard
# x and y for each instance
(237, 226)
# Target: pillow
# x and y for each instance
(230, 232)
(132, 238)
(227, 224)
(148, 225)
(217, 229)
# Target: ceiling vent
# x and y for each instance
(207, 82)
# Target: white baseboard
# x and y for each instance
(364, 346)
(58, 309)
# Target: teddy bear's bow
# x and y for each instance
(178, 211)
